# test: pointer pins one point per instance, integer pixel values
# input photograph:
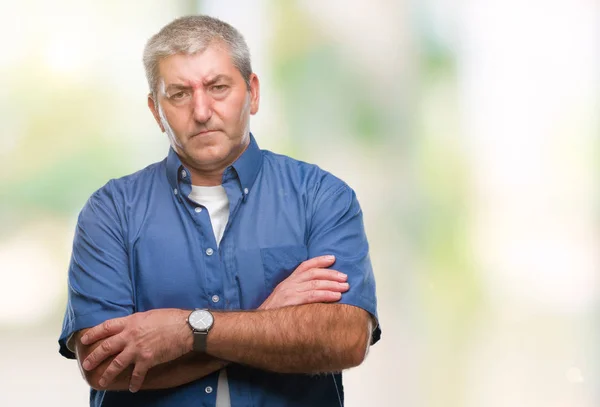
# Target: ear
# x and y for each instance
(254, 93)
(154, 109)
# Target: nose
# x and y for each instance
(202, 106)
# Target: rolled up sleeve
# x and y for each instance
(99, 281)
(337, 228)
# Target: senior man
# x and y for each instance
(225, 274)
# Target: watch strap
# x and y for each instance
(199, 341)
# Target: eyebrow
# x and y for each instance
(216, 79)
(176, 86)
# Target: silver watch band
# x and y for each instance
(199, 341)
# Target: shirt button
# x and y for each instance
(183, 174)
(209, 251)
(175, 191)
(198, 209)
(215, 298)
(208, 389)
(246, 191)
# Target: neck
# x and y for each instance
(206, 180)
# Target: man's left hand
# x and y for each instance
(144, 339)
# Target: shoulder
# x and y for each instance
(111, 203)
(311, 178)
(117, 190)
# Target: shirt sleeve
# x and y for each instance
(337, 228)
(99, 282)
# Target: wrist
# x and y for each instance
(200, 322)
(221, 333)
(187, 335)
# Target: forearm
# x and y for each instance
(168, 375)
(182, 371)
(308, 338)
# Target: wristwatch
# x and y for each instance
(201, 321)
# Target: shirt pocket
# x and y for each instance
(279, 262)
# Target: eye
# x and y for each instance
(218, 88)
(178, 95)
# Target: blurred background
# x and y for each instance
(469, 130)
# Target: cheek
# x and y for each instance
(177, 122)
(245, 111)
(235, 110)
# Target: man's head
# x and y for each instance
(202, 90)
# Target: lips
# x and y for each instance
(204, 133)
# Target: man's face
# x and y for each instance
(204, 106)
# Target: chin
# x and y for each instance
(209, 157)
(212, 154)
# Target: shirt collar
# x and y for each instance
(246, 167)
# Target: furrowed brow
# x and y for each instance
(176, 87)
(218, 78)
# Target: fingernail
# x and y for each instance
(342, 275)
(345, 285)
(330, 257)
(86, 364)
(132, 389)
(84, 339)
(102, 382)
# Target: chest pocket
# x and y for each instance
(279, 262)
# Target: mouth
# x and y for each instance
(204, 133)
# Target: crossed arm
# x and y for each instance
(293, 331)
(177, 372)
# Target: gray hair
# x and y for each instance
(190, 35)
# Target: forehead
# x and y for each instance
(196, 68)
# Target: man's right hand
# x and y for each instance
(311, 282)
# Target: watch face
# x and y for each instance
(201, 320)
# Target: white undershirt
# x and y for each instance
(215, 200)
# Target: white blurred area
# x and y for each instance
(530, 97)
(526, 100)
(529, 82)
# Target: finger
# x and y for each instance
(326, 285)
(118, 365)
(108, 347)
(104, 330)
(322, 274)
(138, 376)
(315, 262)
(309, 297)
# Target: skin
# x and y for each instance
(204, 106)
(132, 339)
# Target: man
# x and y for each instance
(224, 275)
